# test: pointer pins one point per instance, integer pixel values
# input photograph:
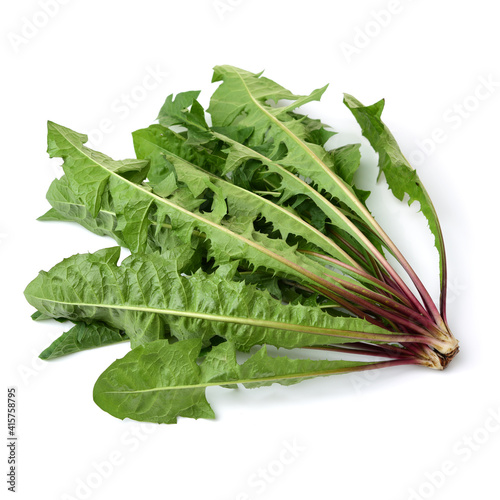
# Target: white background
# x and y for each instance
(382, 436)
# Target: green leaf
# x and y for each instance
(38, 316)
(81, 337)
(400, 176)
(290, 185)
(242, 100)
(159, 382)
(74, 289)
(146, 296)
(87, 179)
(201, 155)
(156, 144)
(316, 131)
(129, 387)
(346, 161)
(294, 187)
(67, 207)
(186, 110)
(93, 177)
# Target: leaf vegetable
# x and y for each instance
(246, 232)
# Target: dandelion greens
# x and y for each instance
(245, 230)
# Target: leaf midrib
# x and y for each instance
(311, 276)
(248, 381)
(313, 193)
(369, 218)
(315, 330)
(311, 153)
(263, 200)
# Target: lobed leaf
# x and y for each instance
(156, 144)
(242, 101)
(146, 297)
(138, 207)
(159, 382)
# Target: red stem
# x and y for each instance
(360, 272)
(366, 350)
(374, 309)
